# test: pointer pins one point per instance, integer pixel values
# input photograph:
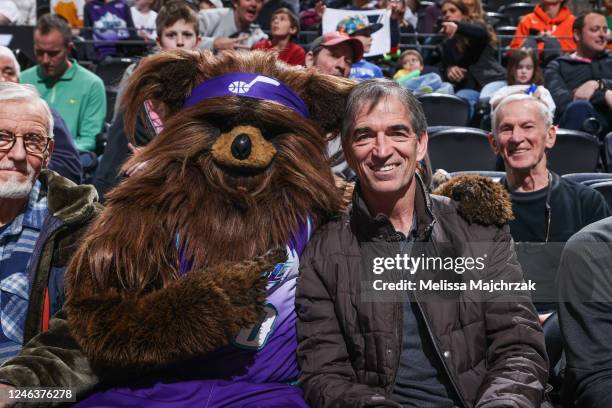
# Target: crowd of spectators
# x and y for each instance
(453, 44)
(557, 69)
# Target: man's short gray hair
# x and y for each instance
(545, 112)
(10, 91)
(368, 94)
(7, 53)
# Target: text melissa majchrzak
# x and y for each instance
(444, 285)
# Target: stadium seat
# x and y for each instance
(461, 149)
(505, 34)
(444, 110)
(111, 69)
(588, 178)
(496, 19)
(605, 188)
(495, 5)
(574, 152)
(515, 11)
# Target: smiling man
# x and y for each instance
(41, 216)
(546, 207)
(357, 353)
(581, 83)
(231, 28)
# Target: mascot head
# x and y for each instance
(239, 165)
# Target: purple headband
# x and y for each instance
(248, 85)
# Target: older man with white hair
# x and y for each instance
(547, 208)
(41, 218)
(65, 158)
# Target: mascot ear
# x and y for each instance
(326, 97)
(165, 78)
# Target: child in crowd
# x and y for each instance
(284, 26)
(144, 19)
(410, 76)
(177, 27)
(523, 75)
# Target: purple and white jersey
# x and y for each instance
(256, 370)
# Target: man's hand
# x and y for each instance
(225, 43)
(609, 98)
(449, 28)
(320, 8)
(455, 73)
(5, 402)
(586, 90)
(398, 8)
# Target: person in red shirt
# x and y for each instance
(551, 19)
(284, 25)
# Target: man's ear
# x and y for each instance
(576, 36)
(47, 157)
(69, 48)
(493, 143)
(309, 59)
(551, 137)
(422, 142)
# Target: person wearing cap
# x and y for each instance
(359, 28)
(333, 53)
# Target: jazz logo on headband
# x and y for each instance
(241, 87)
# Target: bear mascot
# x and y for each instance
(182, 292)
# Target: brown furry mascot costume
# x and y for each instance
(181, 278)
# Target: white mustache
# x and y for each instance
(8, 165)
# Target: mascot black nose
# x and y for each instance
(241, 146)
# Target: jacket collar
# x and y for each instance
(66, 200)
(379, 228)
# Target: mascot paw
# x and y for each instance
(245, 284)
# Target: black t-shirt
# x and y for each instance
(572, 207)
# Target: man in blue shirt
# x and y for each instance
(41, 216)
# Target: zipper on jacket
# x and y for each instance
(440, 356)
(399, 334)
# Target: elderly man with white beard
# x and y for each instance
(42, 216)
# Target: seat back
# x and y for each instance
(515, 11)
(461, 149)
(588, 178)
(605, 188)
(111, 69)
(444, 110)
(574, 152)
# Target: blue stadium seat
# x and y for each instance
(461, 149)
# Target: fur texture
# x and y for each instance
(126, 304)
(480, 199)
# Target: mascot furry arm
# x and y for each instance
(130, 304)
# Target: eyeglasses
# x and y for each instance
(33, 143)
